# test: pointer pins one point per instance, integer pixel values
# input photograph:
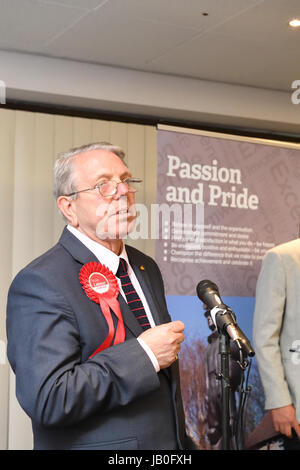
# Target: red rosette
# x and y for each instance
(98, 281)
(101, 286)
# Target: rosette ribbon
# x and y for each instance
(101, 286)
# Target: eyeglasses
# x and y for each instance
(110, 187)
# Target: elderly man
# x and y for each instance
(89, 336)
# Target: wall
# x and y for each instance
(30, 221)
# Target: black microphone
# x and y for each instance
(222, 315)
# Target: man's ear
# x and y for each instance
(67, 207)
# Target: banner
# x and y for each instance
(223, 201)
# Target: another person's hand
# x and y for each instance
(284, 419)
(165, 341)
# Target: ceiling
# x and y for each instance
(245, 42)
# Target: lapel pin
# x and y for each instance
(142, 268)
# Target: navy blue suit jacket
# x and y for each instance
(114, 400)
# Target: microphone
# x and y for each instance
(222, 315)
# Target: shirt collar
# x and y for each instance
(103, 254)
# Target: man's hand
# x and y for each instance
(164, 341)
(284, 419)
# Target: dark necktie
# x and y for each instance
(133, 300)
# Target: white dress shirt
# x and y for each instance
(111, 261)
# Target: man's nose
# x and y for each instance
(122, 190)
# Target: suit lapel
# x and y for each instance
(83, 255)
(76, 248)
(145, 284)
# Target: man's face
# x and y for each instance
(102, 218)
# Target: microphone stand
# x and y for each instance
(224, 350)
(228, 434)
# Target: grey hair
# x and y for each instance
(64, 178)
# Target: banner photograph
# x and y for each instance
(223, 201)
